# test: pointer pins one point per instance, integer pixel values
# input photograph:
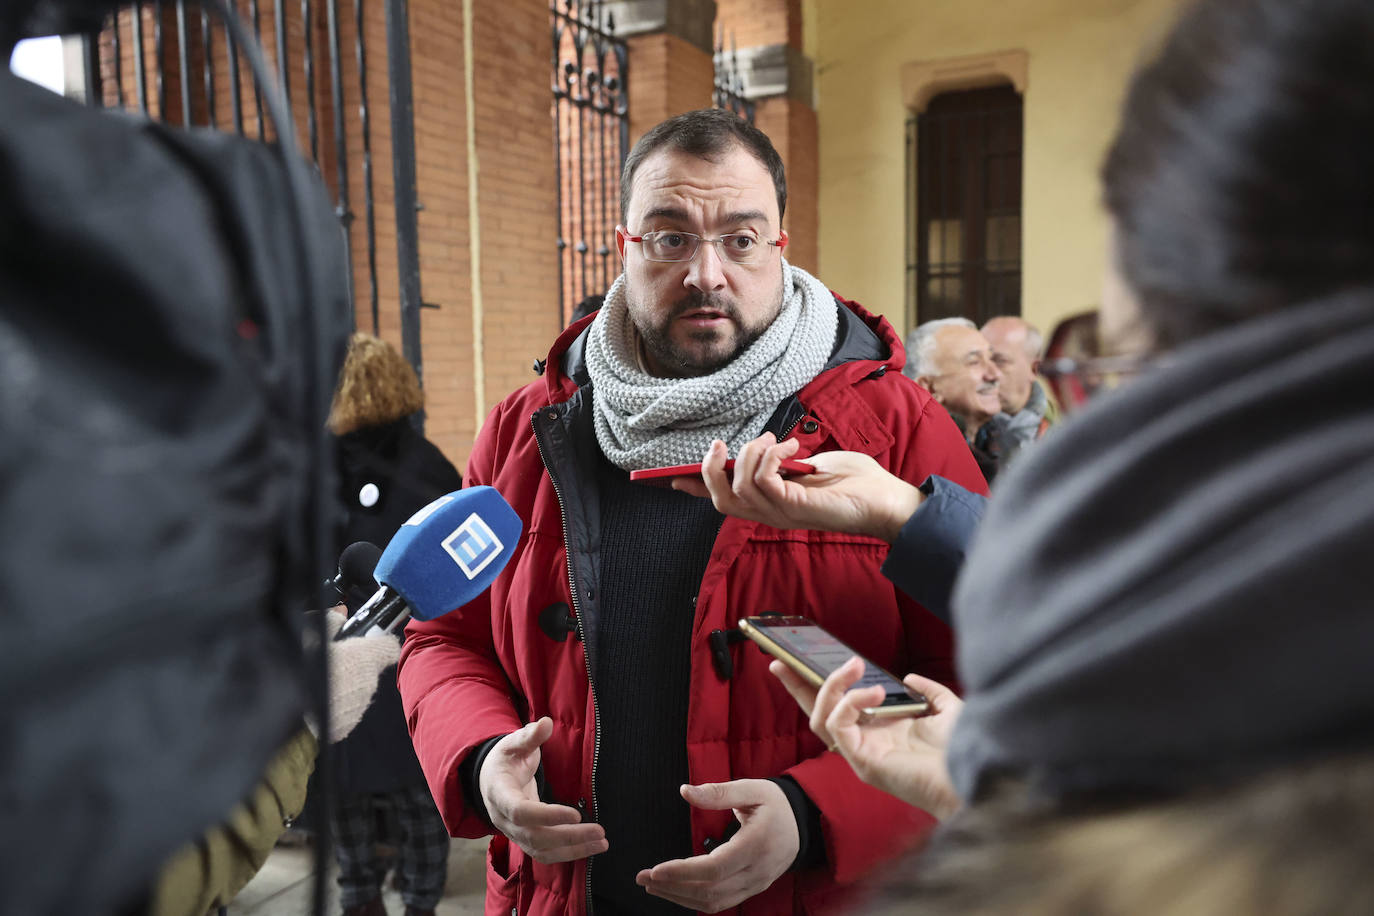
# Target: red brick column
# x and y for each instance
(671, 69)
(767, 36)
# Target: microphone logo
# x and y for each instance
(473, 545)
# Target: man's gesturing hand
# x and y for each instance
(750, 861)
(548, 833)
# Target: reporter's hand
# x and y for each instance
(751, 860)
(355, 666)
(548, 833)
(849, 491)
(903, 755)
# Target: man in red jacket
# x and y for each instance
(594, 707)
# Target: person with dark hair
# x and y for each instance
(1163, 623)
(590, 708)
(387, 471)
(586, 307)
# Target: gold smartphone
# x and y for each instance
(803, 646)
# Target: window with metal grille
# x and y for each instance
(964, 206)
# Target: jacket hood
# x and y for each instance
(863, 341)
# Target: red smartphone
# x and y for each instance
(663, 476)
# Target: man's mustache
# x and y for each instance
(697, 301)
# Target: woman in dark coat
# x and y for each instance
(387, 471)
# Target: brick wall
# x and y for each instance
(760, 22)
(517, 194)
(441, 163)
(791, 126)
(668, 76)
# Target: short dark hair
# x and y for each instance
(586, 307)
(1239, 180)
(706, 133)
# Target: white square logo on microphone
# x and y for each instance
(473, 545)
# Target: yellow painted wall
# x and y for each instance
(1081, 53)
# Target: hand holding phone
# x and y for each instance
(903, 756)
(814, 654)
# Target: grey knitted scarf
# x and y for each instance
(643, 421)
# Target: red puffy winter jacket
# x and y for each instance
(489, 667)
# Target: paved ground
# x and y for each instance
(284, 886)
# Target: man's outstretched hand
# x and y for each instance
(548, 833)
(751, 860)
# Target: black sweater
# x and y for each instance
(655, 543)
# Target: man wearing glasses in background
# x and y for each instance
(595, 708)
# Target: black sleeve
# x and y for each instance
(469, 771)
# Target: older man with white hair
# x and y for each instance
(1027, 409)
(953, 361)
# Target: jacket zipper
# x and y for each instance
(586, 656)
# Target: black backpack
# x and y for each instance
(173, 311)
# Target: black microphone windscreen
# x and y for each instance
(356, 565)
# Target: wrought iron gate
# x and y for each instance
(591, 138)
(177, 63)
(728, 88)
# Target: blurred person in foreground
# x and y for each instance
(1164, 622)
(1028, 411)
(952, 360)
(207, 873)
(387, 472)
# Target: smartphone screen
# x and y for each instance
(814, 654)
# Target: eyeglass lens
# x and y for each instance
(739, 247)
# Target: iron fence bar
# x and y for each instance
(257, 36)
(90, 54)
(341, 209)
(403, 172)
(556, 33)
(140, 86)
(157, 53)
(366, 119)
(622, 111)
(183, 64)
(909, 217)
(235, 97)
(598, 108)
(283, 66)
(207, 37)
(618, 109)
(115, 52)
(309, 63)
(580, 43)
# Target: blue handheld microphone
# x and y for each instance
(443, 556)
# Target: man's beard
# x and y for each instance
(682, 362)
